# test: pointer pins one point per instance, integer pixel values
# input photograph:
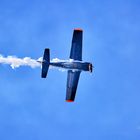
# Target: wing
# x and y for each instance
(76, 47)
(72, 82)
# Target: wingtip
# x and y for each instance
(69, 101)
(78, 29)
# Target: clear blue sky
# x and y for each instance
(107, 102)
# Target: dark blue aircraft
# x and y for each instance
(74, 66)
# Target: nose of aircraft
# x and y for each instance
(90, 67)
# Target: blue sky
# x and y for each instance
(107, 102)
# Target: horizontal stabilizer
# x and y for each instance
(45, 63)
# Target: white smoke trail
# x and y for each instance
(61, 60)
(16, 62)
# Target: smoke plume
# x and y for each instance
(16, 62)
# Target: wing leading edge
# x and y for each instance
(76, 47)
(72, 83)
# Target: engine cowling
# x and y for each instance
(90, 67)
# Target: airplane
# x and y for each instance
(74, 66)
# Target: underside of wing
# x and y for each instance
(72, 82)
(76, 47)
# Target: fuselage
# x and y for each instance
(74, 65)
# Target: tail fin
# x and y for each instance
(45, 63)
